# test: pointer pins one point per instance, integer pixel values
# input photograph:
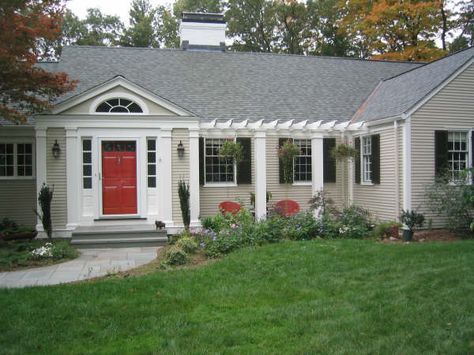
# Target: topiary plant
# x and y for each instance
(183, 192)
(45, 197)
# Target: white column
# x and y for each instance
(407, 164)
(165, 193)
(194, 176)
(73, 174)
(260, 163)
(40, 161)
(317, 164)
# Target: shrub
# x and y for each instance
(384, 230)
(8, 224)
(63, 250)
(175, 256)
(352, 222)
(187, 243)
(302, 226)
(454, 200)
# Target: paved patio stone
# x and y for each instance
(90, 264)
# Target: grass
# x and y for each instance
(344, 296)
(16, 255)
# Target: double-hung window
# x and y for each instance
(16, 160)
(367, 159)
(151, 162)
(302, 162)
(458, 154)
(217, 168)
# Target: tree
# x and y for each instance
(392, 29)
(25, 88)
(465, 25)
(328, 38)
(141, 32)
(167, 28)
(252, 24)
(100, 30)
(212, 6)
(294, 27)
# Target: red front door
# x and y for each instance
(119, 177)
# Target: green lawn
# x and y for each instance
(294, 297)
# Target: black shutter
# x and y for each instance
(329, 163)
(357, 160)
(282, 141)
(201, 161)
(441, 153)
(244, 168)
(376, 159)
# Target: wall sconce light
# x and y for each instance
(56, 149)
(180, 149)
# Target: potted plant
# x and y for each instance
(232, 150)
(287, 153)
(343, 152)
(411, 219)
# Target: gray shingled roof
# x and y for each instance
(236, 85)
(397, 95)
(217, 85)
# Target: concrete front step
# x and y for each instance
(118, 238)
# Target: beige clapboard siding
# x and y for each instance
(56, 176)
(180, 168)
(452, 108)
(211, 196)
(380, 199)
(18, 200)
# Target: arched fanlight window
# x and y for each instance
(119, 106)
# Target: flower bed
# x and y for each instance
(24, 254)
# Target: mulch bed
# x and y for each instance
(435, 235)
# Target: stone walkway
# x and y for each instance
(90, 264)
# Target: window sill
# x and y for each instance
(17, 178)
(221, 184)
(302, 183)
(367, 183)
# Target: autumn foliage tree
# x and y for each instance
(26, 88)
(393, 29)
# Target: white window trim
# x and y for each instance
(15, 159)
(219, 184)
(155, 163)
(362, 165)
(82, 164)
(302, 182)
(115, 95)
(468, 151)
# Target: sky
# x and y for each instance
(108, 7)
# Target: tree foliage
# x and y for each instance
(26, 88)
(142, 31)
(392, 29)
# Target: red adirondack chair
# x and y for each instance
(229, 207)
(287, 208)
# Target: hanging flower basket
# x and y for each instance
(342, 152)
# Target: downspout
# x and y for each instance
(397, 170)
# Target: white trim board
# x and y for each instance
(113, 83)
